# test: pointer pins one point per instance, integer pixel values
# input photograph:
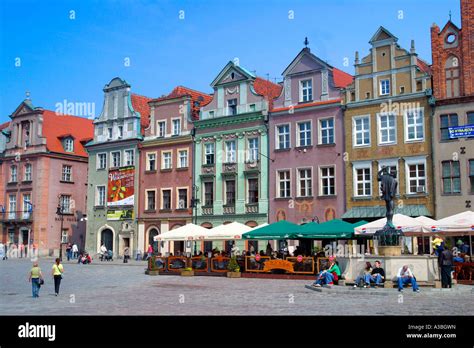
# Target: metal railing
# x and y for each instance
(17, 215)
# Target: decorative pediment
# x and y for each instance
(116, 83)
(231, 73)
(25, 107)
(305, 61)
(382, 34)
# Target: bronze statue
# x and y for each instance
(389, 189)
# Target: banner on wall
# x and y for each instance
(120, 214)
(121, 186)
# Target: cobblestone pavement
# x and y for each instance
(124, 289)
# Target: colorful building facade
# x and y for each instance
(231, 150)
(306, 136)
(166, 162)
(387, 118)
(114, 169)
(44, 167)
(453, 84)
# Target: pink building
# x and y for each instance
(44, 166)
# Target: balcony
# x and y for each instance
(241, 109)
(251, 208)
(229, 209)
(16, 216)
(207, 211)
(229, 168)
(252, 167)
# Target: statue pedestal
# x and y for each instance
(389, 250)
(389, 241)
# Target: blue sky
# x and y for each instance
(72, 59)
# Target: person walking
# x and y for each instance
(57, 272)
(126, 254)
(69, 251)
(446, 263)
(35, 277)
(75, 251)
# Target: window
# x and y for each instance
(253, 191)
(252, 107)
(416, 177)
(129, 157)
(109, 133)
(326, 131)
(13, 174)
(471, 175)
(116, 161)
(120, 132)
(100, 130)
(64, 236)
(306, 91)
(447, 121)
(284, 182)
(177, 127)
(451, 177)
(166, 160)
(327, 181)
(363, 181)
(361, 130)
(230, 156)
(230, 192)
(305, 183)
(253, 150)
(182, 199)
(304, 134)
(387, 129)
(69, 145)
(414, 125)
(11, 206)
(67, 173)
(211, 114)
(166, 199)
(283, 137)
(232, 107)
(130, 126)
(452, 77)
(27, 206)
(384, 87)
(27, 175)
(470, 117)
(161, 128)
(208, 194)
(65, 204)
(183, 158)
(151, 161)
(209, 153)
(101, 160)
(100, 196)
(151, 200)
(392, 167)
(402, 89)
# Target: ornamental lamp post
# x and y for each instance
(59, 212)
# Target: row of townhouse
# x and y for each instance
(306, 149)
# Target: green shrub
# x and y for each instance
(233, 266)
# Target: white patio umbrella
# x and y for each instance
(426, 222)
(186, 232)
(458, 224)
(406, 223)
(231, 231)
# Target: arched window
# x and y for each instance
(452, 77)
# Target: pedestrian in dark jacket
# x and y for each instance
(446, 264)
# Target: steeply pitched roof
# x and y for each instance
(140, 104)
(341, 78)
(4, 125)
(424, 66)
(56, 126)
(268, 89)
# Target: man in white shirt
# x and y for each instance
(103, 251)
(75, 251)
(405, 276)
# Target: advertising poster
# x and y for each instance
(121, 184)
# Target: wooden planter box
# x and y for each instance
(187, 273)
(233, 274)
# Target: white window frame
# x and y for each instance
(209, 153)
(147, 200)
(112, 159)
(65, 173)
(278, 181)
(173, 130)
(277, 136)
(98, 161)
(110, 133)
(69, 144)
(171, 197)
(405, 119)
(27, 205)
(298, 133)
(12, 206)
(247, 193)
(355, 132)
(28, 174)
(305, 88)
(321, 178)
(381, 87)
(362, 165)
(179, 157)
(320, 128)
(98, 196)
(379, 128)
(298, 182)
(158, 134)
(148, 154)
(126, 157)
(230, 154)
(62, 200)
(120, 132)
(13, 173)
(414, 161)
(253, 153)
(170, 152)
(64, 235)
(177, 197)
(236, 106)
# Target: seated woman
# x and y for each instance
(329, 276)
(363, 277)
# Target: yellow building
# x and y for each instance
(387, 120)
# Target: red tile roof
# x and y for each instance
(268, 89)
(424, 66)
(140, 104)
(4, 125)
(306, 105)
(341, 78)
(55, 126)
(181, 91)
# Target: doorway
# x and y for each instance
(107, 238)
